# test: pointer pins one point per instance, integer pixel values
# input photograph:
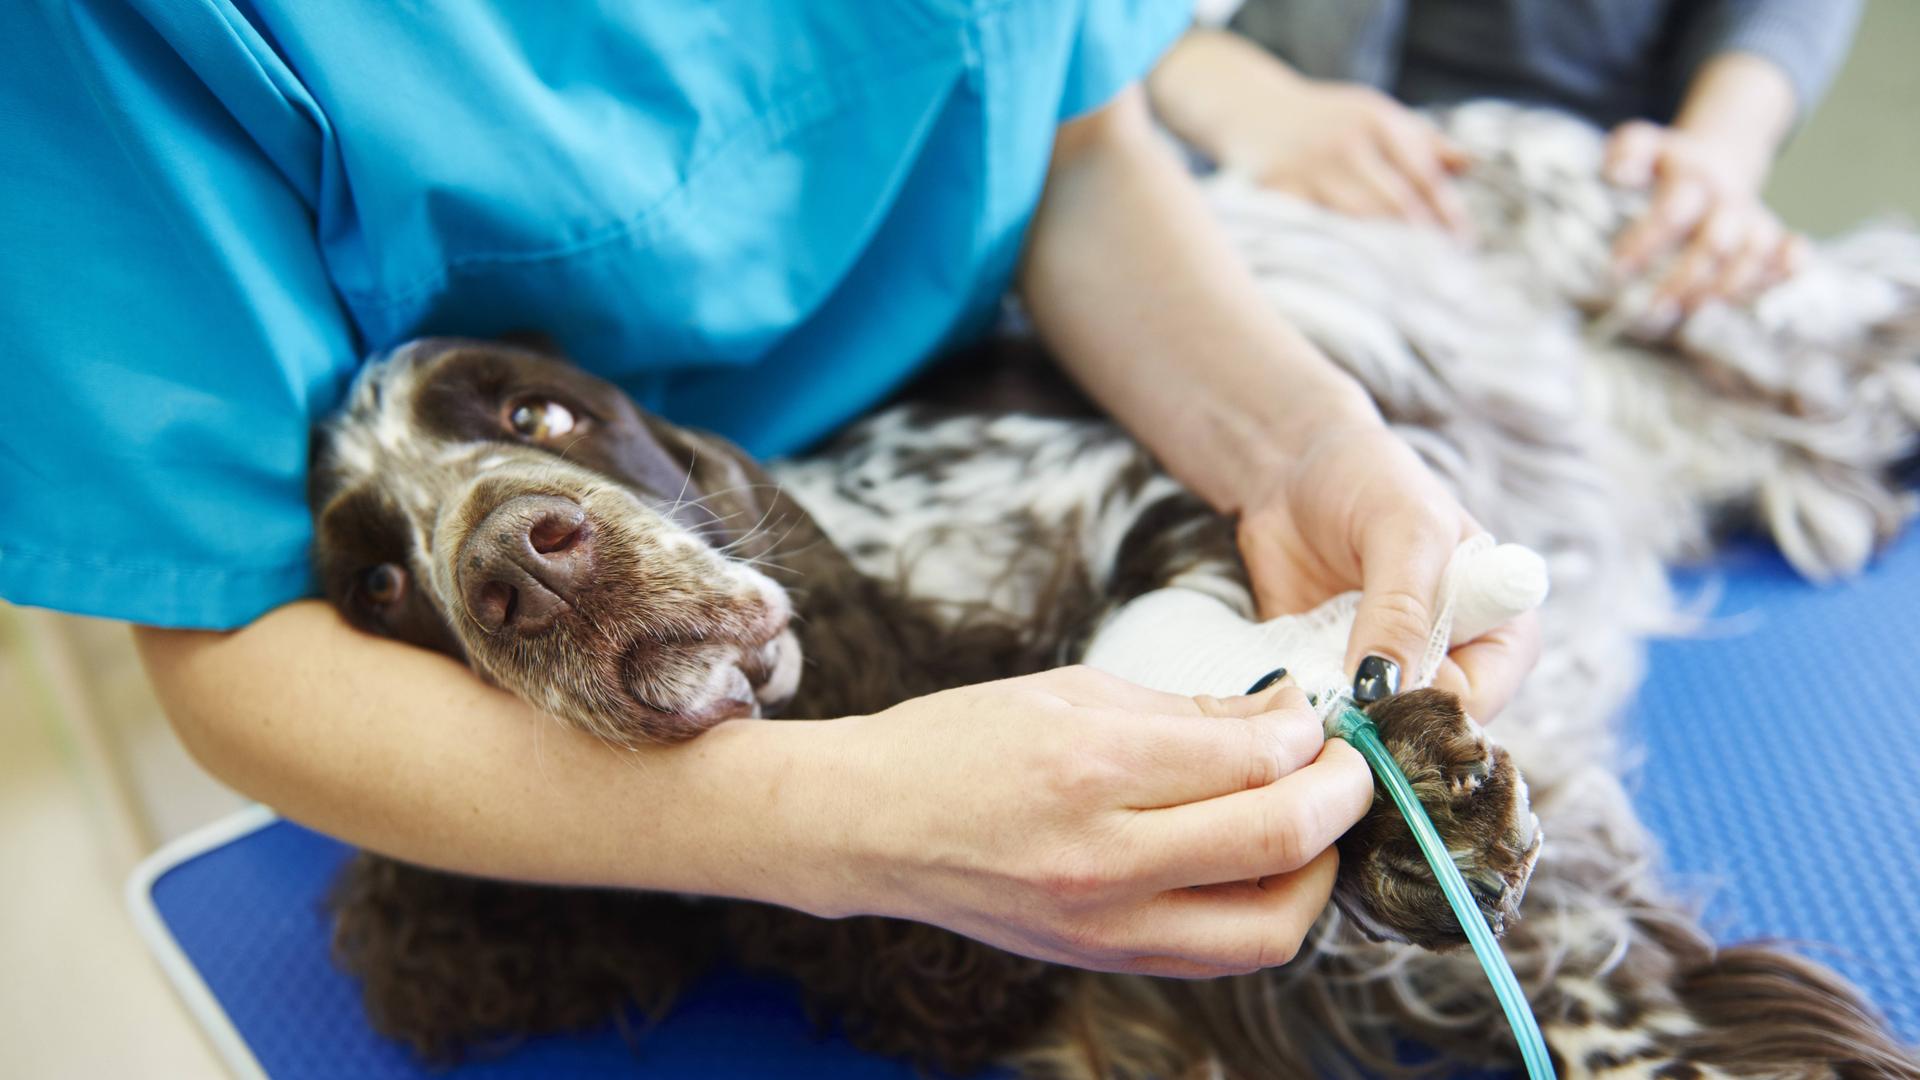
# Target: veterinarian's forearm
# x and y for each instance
(1743, 103)
(1132, 284)
(974, 809)
(406, 752)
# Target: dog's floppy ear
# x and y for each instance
(729, 497)
(535, 341)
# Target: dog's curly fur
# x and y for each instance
(440, 955)
(1488, 387)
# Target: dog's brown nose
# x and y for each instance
(526, 563)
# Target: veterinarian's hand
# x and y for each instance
(1075, 817)
(1355, 508)
(1344, 146)
(1705, 213)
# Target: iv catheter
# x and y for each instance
(1359, 730)
(1485, 585)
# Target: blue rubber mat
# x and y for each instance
(1781, 766)
(248, 916)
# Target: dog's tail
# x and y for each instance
(1759, 1008)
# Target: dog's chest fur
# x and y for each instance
(999, 517)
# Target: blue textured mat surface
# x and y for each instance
(1781, 766)
(248, 915)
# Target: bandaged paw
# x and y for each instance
(1188, 642)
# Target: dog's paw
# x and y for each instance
(1477, 801)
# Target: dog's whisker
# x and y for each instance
(692, 460)
(738, 489)
(749, 534)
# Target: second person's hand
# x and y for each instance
(1352, 149)
(1345, 146)
(1705, 211)
(1705, 173)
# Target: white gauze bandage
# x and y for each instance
(1187, 642)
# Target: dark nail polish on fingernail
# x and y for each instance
(1377, 678)
(1267, 680)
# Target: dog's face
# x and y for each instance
(506, 508)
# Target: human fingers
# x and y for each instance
(1688, 282)
(1091, 687)
(1152, 749)
(1677, 206)
(1231, 929)
(1389, 189)
(1174, 760)
(1420, 154)
(1341, 192)
(1336, 194)
(1486, 672)
(1402, 561)
(1288, 182)
(1290, 574)
(1748, 268)
(1789, 254)
(1631, 152)
(1792, 256)
(1252, 834)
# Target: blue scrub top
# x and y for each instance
(758, 216)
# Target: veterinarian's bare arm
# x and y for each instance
(1133, 285)
(406, 752)
(1006, 811)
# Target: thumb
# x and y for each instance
(1631, 152)
(1400, 587)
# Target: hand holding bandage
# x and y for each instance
(1187, 642)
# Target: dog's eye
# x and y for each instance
(384, 584)
(539, 419)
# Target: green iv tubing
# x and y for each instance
(1362, 734)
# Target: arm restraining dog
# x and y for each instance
(641, 581)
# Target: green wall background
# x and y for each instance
(1859, 154)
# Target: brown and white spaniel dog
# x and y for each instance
(646, 582)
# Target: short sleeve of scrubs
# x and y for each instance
(757, 216)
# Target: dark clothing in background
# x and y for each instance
(1607, 60)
